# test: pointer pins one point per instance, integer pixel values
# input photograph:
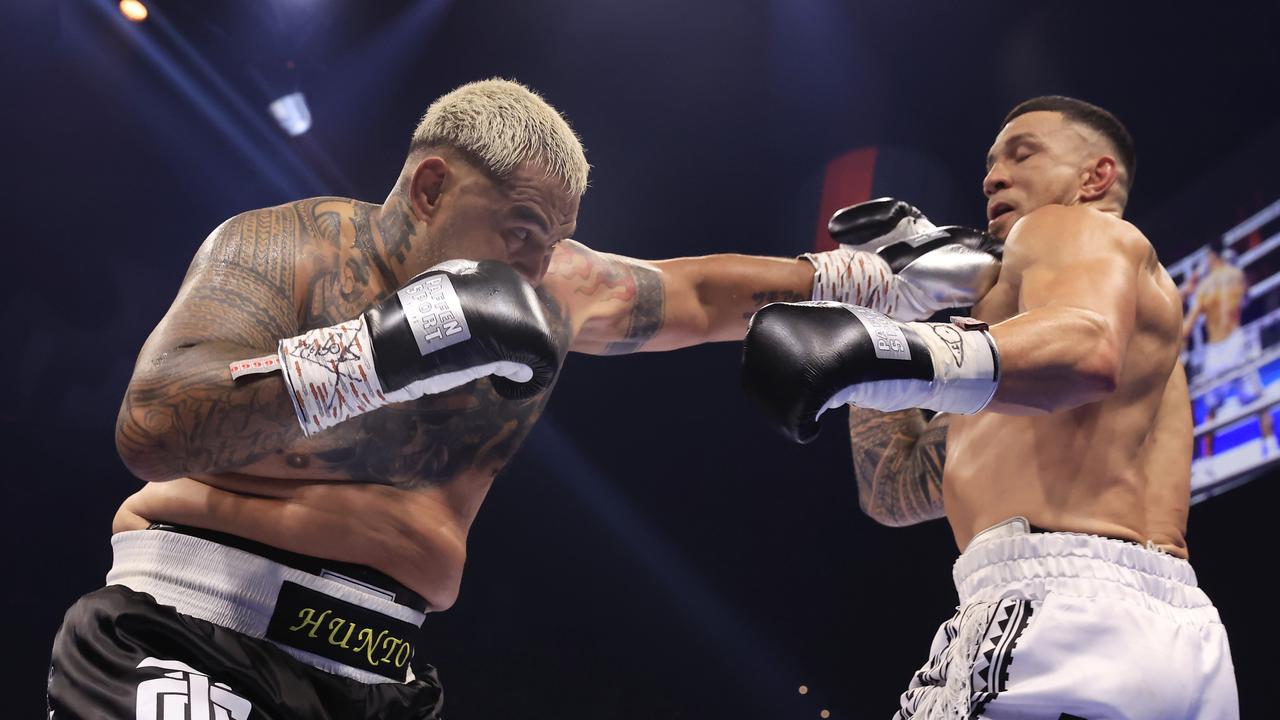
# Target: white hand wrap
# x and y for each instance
(331, 376)
(858, 277)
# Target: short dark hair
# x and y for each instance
(1089, 115)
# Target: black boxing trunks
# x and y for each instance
(195, 629)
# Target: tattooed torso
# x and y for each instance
(415, 473)
(431, 441)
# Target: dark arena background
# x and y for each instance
(654, 550)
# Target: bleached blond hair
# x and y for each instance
(501, 125)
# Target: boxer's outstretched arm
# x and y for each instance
(897, 460)
(1079, 275)
(621, 305)
(182, 414)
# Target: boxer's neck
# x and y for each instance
(1108, 205)
(398, 241)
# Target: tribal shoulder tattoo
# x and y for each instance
(898, 459)
(241, 291)
(181, 414)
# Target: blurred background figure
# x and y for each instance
(1218, 299)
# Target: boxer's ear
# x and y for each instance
(426, 187)
(1098, 177)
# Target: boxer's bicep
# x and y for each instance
(898, 461)
(614, 304)
(182, 412)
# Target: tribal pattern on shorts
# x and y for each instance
(969, 662)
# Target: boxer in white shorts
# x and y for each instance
(1230, 348)
(1034, 605)
(1060, 403)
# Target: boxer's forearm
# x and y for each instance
(1055, 358)
(185, 415)
(897, 461)
(623, 305)
(711, 298)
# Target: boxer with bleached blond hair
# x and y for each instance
(322, 411)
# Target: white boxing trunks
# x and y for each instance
(1231, 352)
(1066, 626)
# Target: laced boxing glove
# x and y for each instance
(802, 359)
(457, 322)
(893, 260)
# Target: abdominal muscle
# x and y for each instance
(418, 537)
(1050, 470)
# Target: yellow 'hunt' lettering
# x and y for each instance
(309, 618)
(394, 642)
(334, 626)
(372, 646)
(364, 637)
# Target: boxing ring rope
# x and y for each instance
(1184, 266)
(1254, 408)
(1260, 218)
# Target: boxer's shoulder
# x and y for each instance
(1062, 232)
(315, 224)
(249, 256)
(245, 236)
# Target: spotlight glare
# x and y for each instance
(133, 10)
(804, 689)
(824, 714)
(292, 113)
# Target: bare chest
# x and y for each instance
(998, 305)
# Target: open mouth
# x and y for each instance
(996, 211)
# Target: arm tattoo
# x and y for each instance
(764, 297)
(898, 460)
(610, 280)
(190, 420)
(181, 414)
(648, 309)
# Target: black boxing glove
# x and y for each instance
(917, 268)
(802, 359)
(457, 322)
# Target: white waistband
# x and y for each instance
(231, 588)
(1009, 560)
